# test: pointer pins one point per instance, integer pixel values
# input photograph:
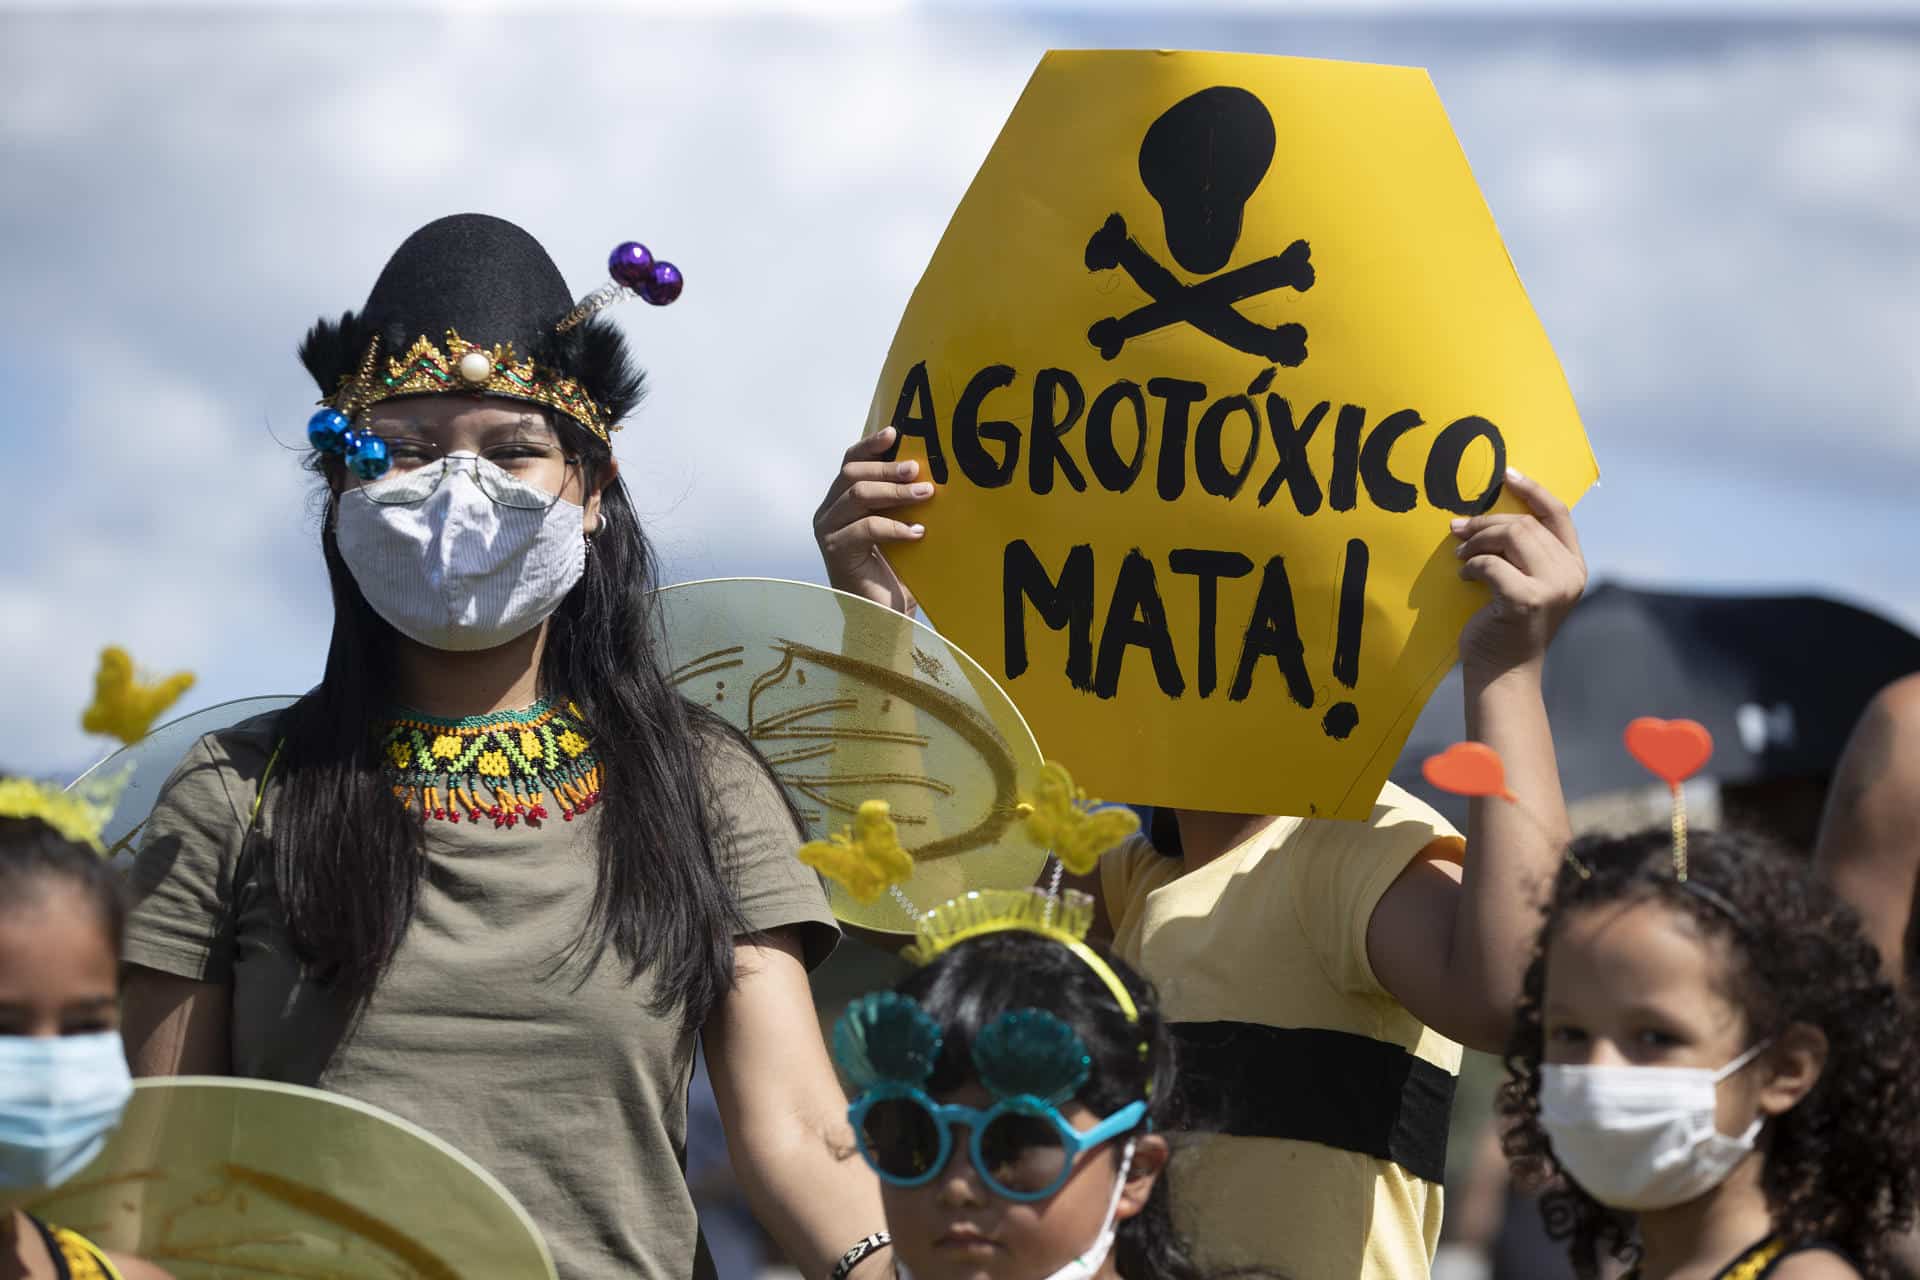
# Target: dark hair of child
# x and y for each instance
(33, 856)
(1843, 1166)
(967, 987)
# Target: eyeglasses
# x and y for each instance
(528, 475)
(1022, 1147)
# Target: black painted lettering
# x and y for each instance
(1051, 422)
(1209, 567)
(1343, 487)
(1384, 489)
(1343, 717)
(1209, 464)
(1273, 631)
(1180, 395)
(1103, 458)
(1290, 465)
(913, 416)
(1067, 603)
(974, 458)
(1136, 616)
(1443, 466)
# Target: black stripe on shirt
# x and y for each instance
(1341, 1090)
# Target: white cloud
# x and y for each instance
(1721, 236)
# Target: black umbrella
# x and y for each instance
(1778, 680)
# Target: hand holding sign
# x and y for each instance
(1534, 566)
(854, 521)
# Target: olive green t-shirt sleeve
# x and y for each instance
(182, 879)
(758, 843)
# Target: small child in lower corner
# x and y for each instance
(1708, 1070)
(63, 1070)
(1012, 1109)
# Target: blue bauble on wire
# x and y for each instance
(367, 455)
(327, 431)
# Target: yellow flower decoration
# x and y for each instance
(1064, 820)
(125, 707)
(399, 754)
(866, 860)
(530, 744)
(446, 747)
(572, 743)
(78, 814)
(493, 763)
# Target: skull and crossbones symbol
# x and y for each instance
(1202, 160)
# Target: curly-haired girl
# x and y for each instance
(1715, 1060)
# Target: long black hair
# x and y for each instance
(345, 853)
(33, 855)
(1843, 1166)
(967, 987)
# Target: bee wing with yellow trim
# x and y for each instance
(850, 701)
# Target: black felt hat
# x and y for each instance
(471, 284)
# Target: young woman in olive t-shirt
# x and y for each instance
(493, 873)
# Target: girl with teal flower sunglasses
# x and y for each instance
(1008, 1100)
(1022, 1147)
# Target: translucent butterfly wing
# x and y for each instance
(850, 701)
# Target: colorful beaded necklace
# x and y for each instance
(498, 766)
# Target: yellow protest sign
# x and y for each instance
(1214, 348)
(214, 1178)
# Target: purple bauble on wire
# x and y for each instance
(663, 285)
(631, 264)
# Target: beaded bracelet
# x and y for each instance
(856, 1255)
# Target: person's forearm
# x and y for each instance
(174, 1026)
(1513, 848)
(811, 1192)
(1869, 845)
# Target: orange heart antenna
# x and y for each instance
(1475, 770)
(1673, 751)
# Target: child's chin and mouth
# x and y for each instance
(958, 1251)
(967, 1245)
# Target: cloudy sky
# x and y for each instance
(1718, 218)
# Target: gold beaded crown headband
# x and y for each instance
(426, 368)
(473, 305)
(123, 707)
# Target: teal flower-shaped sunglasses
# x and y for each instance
(1022, 1147)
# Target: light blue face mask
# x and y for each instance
(59, 1098)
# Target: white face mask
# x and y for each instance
(1088, 1262)
(1641, 1137)
(460, 571)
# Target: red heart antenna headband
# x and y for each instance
(1671, 750)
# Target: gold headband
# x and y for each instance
(465, 369)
